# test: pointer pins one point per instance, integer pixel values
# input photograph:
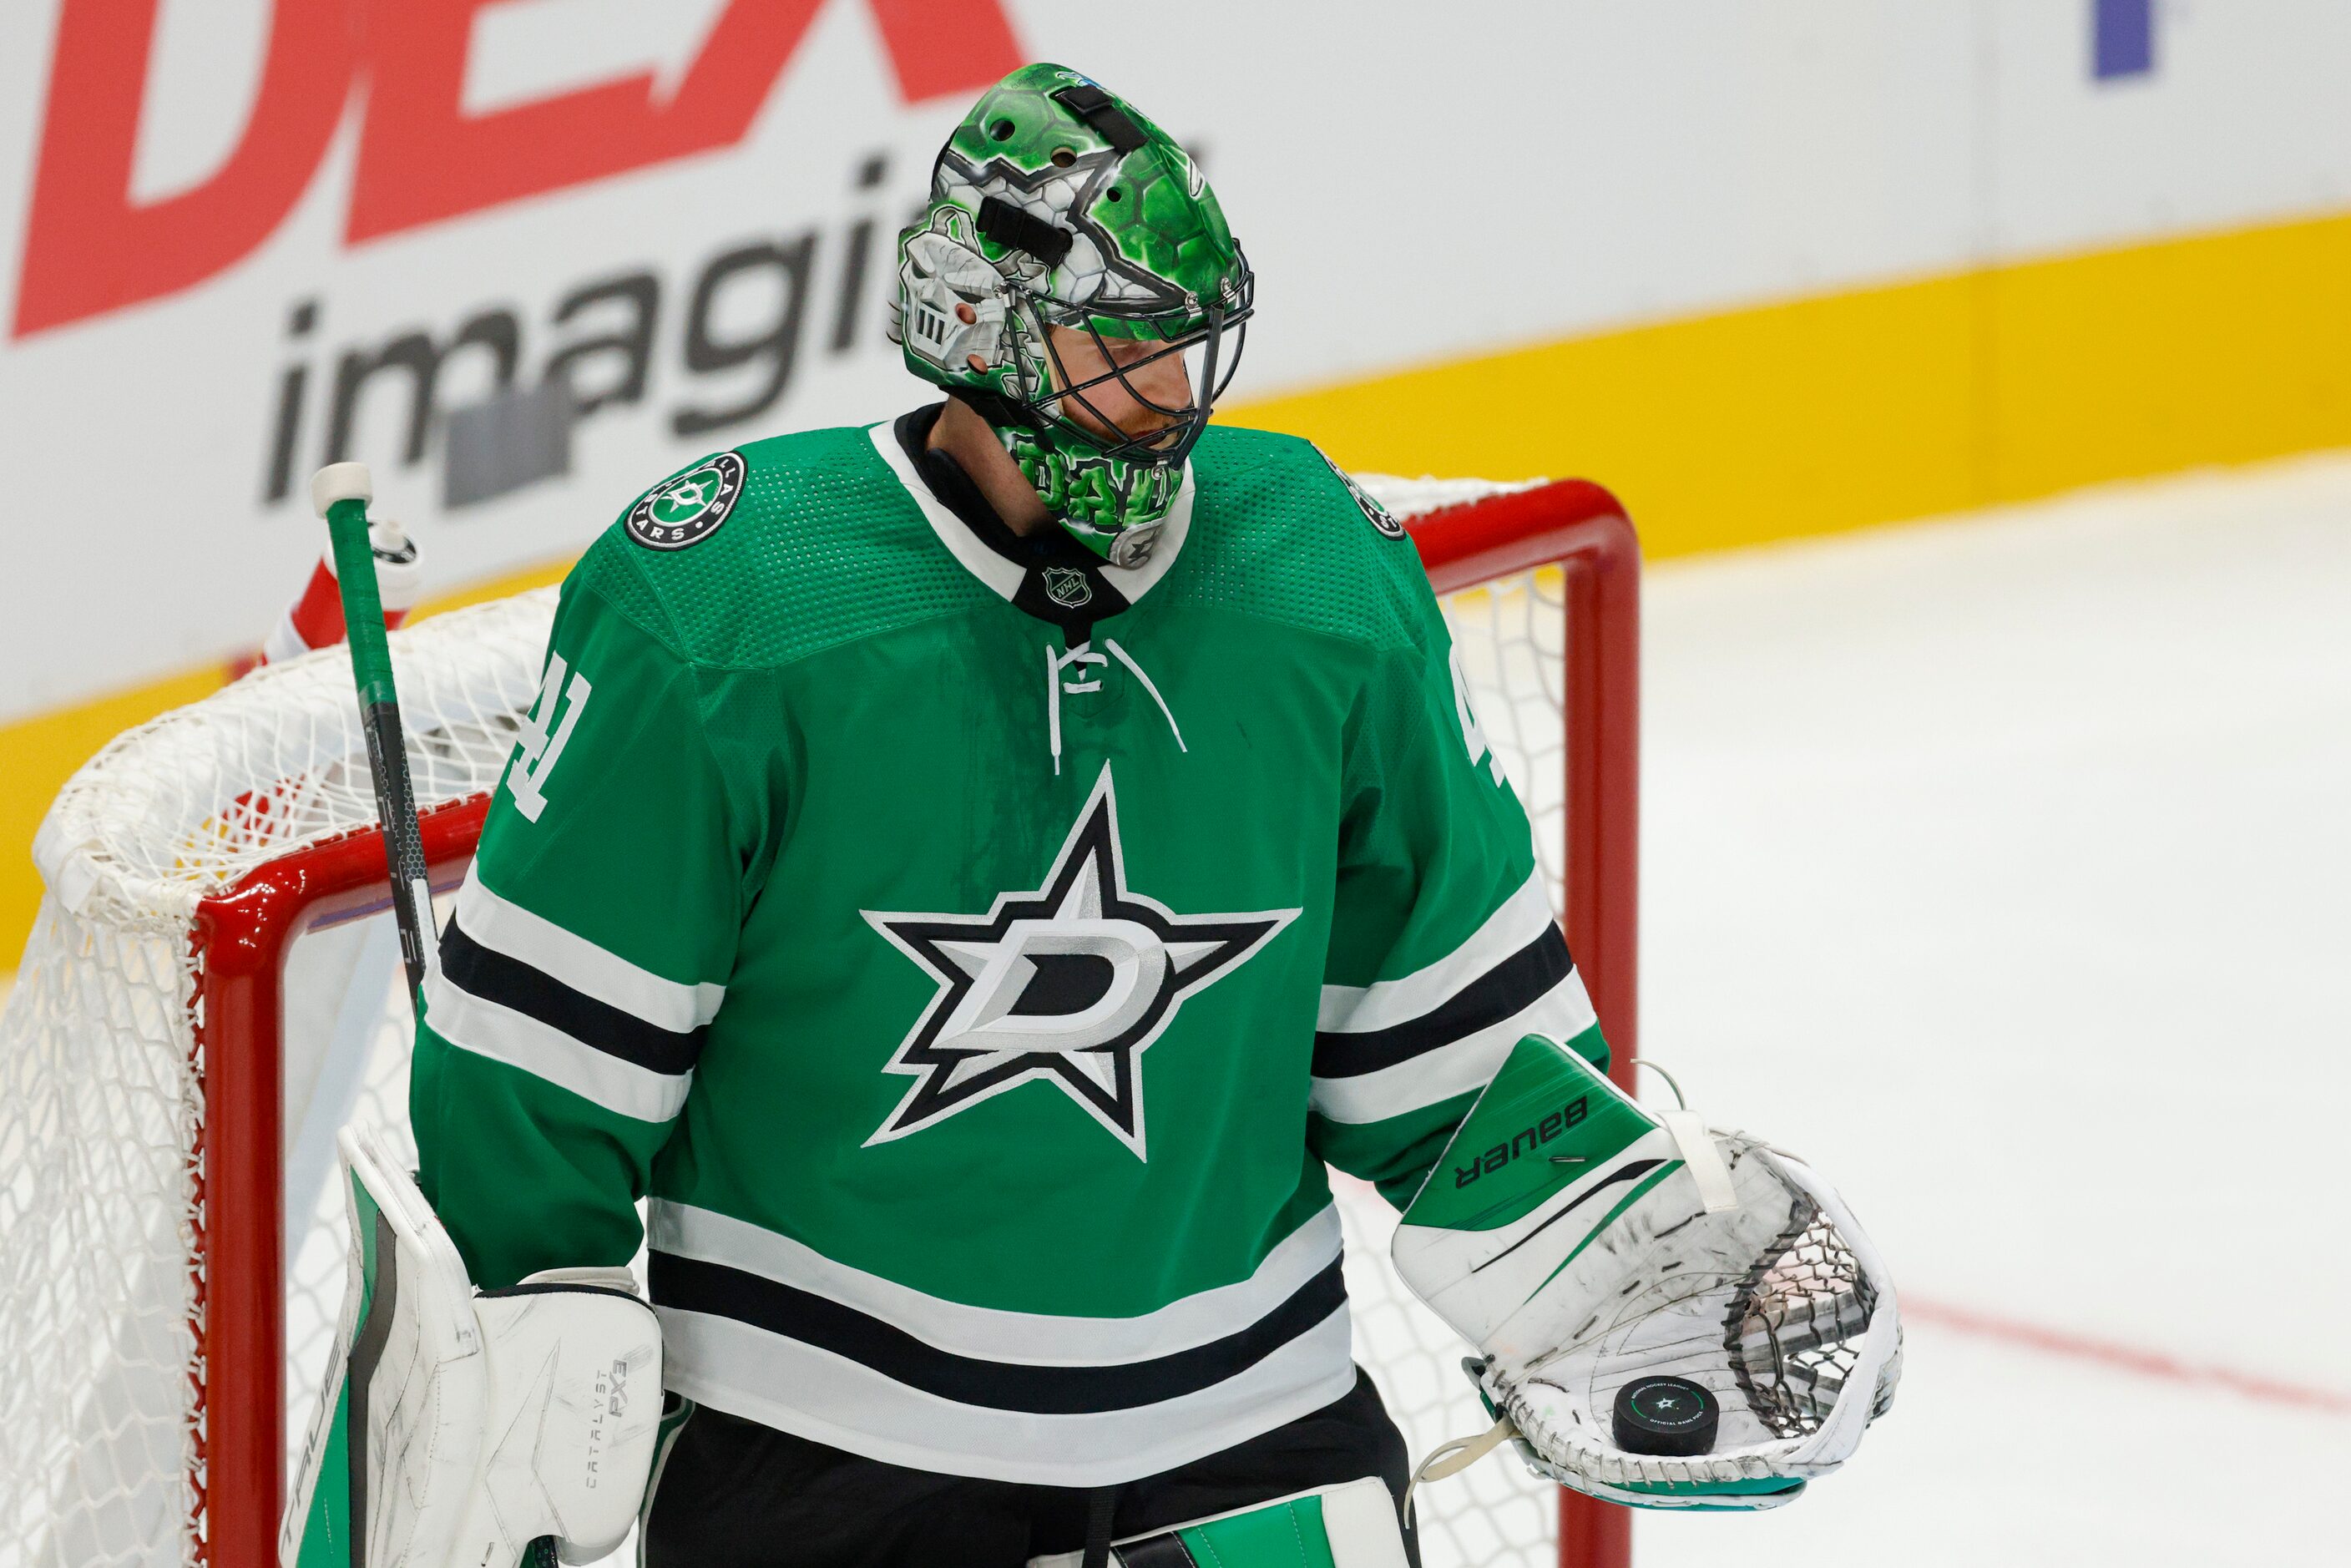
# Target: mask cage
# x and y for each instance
(1183, 329)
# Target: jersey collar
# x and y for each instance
(1071, 588)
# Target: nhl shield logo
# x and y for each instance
(1067, 587)
(687, 509)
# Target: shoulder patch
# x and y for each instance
(1379, 517)
(687, 509)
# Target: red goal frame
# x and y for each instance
(1581, 528)
(240, 940)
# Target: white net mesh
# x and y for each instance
(98, 1237)
(102, 1081)
(1512, 635)
(101, 1263)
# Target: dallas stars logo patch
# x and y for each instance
(1068, 984)
(687, 509)
(1379, 517)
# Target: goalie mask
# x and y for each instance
(1055, 203)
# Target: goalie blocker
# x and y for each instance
(1614, 1265)
(459, 1427)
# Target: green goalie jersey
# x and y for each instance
(973, 953)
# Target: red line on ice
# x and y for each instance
(2125, 1358)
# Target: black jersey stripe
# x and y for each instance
(696, 1285)
(1632, 1171)
(1509, 988)
(501, 977)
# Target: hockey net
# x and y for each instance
(207, 997)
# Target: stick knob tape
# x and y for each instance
(341, 482)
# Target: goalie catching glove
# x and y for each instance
(458, 1427)
(1670, 1316)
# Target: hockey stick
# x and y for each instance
(340, 492)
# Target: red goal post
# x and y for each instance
(187, 858)
(1580, 530)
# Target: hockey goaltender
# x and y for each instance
(967, 878)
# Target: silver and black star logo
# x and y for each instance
(1068, 983)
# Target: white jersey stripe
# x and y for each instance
(508, 927)
(1468, 1063)
(487, 1028)
(1032, 1339)
(1005, 576)
(1383, 1003)
(814, 1393)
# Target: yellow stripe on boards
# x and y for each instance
(2223, 348)
(1902, 401)
(1721, 430)
(1772, 422)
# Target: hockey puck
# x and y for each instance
(1665, 1416)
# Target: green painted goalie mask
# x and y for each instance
(1056, 204)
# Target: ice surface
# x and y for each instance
(2003, 868)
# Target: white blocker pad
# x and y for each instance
(1352, 1525)
(457, 1426)
(1585, 1243)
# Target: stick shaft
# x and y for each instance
(395, 796)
